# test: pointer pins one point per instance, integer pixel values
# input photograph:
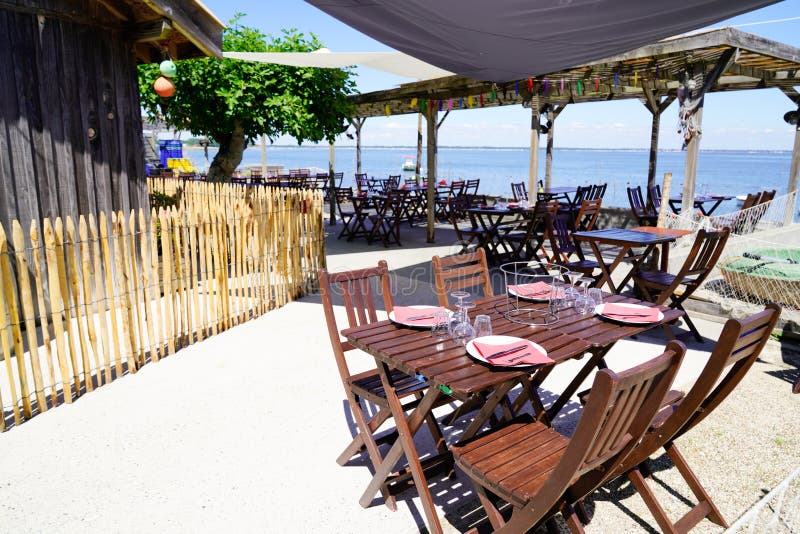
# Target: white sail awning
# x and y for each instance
(392, 62)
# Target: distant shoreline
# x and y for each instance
(515, 148)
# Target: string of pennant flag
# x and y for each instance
(529, 87)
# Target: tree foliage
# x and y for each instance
(234, 102)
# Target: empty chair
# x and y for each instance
(541, 472)
(598, 191)
(655, 198)
(358, 292)
(587, 214)
(471, 187)
(389, 212)
(468, 233)
(566, 251)
(739, 345)
(362, 183)
(520, 191)
(461, 271)
(445, 197)
(661, 287)
(527, 240)
(642, 212)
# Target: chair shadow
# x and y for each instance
(453, 493)
(790, 354)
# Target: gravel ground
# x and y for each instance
(229, 435)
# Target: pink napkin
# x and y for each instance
(527, 356)
(643, 315)
(536, 290)
(404, 314)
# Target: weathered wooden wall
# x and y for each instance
(59, 80)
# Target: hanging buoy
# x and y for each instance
(168, 68)
(164, 87)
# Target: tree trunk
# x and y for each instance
(229, 155)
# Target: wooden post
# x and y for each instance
(419, 145)
(794, 168)
(533, 168)
(692, 156)
(264, 156)
(656, 108)
(357, 124)
(665, 192)
(431, 116)
(332, 180)
(552, 115)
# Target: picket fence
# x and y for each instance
(85, 303)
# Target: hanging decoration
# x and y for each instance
(544, 89)
(449, 104)
(516, 88)
(690, 96)
(164, 87)
(413, 103)
(597, 84)
(562, 85)
(440, 104)
(480, 99)
(469, 101)
(530, 85)
(461, 103)
(635, 78)
(616, 81)
(492, 95)
(387, 110)
(168, 68)
(580, 87)
(422, 104)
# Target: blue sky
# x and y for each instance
(735, 120)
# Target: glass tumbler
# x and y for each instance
(441, 325)
(483, 326)
(596, 294)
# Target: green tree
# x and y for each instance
(234, 102)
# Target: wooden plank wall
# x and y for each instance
(111, 293)
(58, 79)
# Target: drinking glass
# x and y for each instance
(597, 295)
(441, 325)
(584, 304)
(483, 326)
(556, 297)
(464, 332)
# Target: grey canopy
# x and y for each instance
(513, 39)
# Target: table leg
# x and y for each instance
(635, 264)
(606, 270)
(488, 409)
(713, 208)
(595, 360)
(406, 428)
(665, 257)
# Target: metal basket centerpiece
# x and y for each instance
(537, 307)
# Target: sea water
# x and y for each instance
(719, 172)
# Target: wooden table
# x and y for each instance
(627, 241)
(449, 371)
(494, 223)
(675, 202)
(557, 192)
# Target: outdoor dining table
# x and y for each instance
(450, 371)
(554, 193)
(627, 241)
(495, 223)
(700, 201)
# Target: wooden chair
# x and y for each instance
(389, 212)
(445, 198)
(528, 240)
(362, 183)
(598, 191)
(642, 212)
(660, 287)
(540, 472)
(358, 295)
(587, 214)
(739, 345)
(471, 187)
(563, 246)
(520, 191)
(461, 271)
(654, 198)
(466, 235)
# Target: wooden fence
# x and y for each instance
(100, 297)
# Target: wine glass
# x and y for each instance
(464, 332)
(584, 303)
(571, 293)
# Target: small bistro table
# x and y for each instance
(627, 241)
(450, 371)
(700, 201)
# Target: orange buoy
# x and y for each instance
(164, 87)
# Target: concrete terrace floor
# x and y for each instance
(240, 432)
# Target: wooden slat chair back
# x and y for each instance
(563, 246)
(466, 235)
(362, 183)
(390, 211)
(460, 272)
(471, 187)
(540, 472)
(661, 287)
(655, 197)
(359, 298)
(766, 196)
(520, 191)
(526, 242)
(739, 345)
(641, 211)
(598, 191)
(587, 215)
